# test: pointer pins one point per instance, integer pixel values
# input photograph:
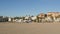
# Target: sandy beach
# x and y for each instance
(30, 28)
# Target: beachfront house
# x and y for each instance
(33, 18)
(3, 19)
(41, 17)
(54, 15)
(9, 19)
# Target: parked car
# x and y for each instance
(27, 21)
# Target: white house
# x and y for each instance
(34, 18)
(26, 17)
(9, 19)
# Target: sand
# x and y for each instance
(29, 28)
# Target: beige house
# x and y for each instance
(53, 14)
(41, 17)
(50, 16)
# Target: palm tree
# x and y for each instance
(23, 18)
(16, 18)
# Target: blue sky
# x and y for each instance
(27, 7)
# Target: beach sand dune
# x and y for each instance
(29, 28)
